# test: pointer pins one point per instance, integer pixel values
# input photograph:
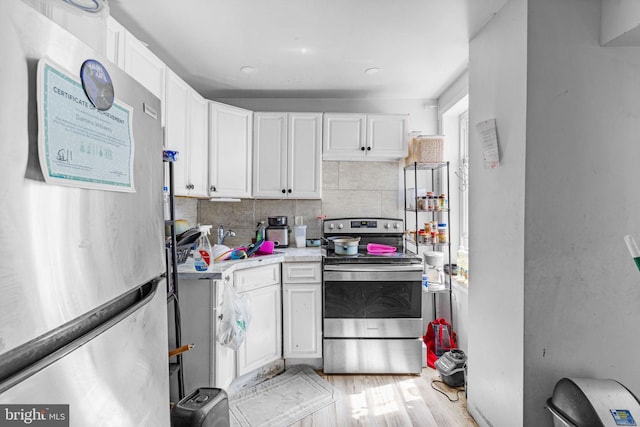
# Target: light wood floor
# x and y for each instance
(390, 400)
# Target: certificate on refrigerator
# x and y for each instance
(79, 145)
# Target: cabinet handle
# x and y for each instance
(289, 191)
(362, 148)
(212, 189)
(284, 191)
(368, 148)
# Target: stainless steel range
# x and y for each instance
(372, 302)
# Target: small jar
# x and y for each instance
(422, 203)
(422, 236)
(431, 205)
(442, 202)
(442, 233)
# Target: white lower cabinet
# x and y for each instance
(289, 318)
(263, 340)
(302, 309)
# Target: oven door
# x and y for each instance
(372, 301)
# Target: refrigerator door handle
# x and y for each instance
(31, 357)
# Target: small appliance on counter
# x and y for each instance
(278, 231)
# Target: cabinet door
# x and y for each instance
(302, 319)
(304, 163)
(270, 155)
(224, 357)
(141, 64)
(198, 144)
(177, 111)
(230, 150)
(115, 42)
(263, 340)
(343, 136)
(387, 136)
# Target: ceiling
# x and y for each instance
(310, 49)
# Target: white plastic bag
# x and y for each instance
(234, 319)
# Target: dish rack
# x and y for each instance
(183, 252)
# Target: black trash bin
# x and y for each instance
(204, 407)
(590, 402)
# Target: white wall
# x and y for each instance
(497, 89)
(582, 290)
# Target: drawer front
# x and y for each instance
(257, 277)
(301, 272)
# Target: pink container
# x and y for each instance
(266, 248)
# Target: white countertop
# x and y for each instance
(188, 272)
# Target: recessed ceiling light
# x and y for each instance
(247, 69)
(303, 50)
(371, 71)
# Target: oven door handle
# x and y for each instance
(373, 267)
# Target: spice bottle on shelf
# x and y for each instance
(442, 233)
(422, 203)
(442, 202)
(430, 201)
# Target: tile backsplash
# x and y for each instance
(349, 189)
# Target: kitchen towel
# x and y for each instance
(282, 400)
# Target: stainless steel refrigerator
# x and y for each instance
(83, 301)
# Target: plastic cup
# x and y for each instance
(300, 234)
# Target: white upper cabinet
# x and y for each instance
(115, 42)
(198, 144)
(365, 136)
(387, 136)
(287, 155)
(230, 151)
(141, 64)
(343, 136)
(131, 55)
(186, 132)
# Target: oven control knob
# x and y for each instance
(387, 226)
(340, 226)
(331, 226)
(396, 225)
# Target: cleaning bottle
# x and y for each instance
(202, 256)
(261, 232)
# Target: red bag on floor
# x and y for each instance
(439, 339)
